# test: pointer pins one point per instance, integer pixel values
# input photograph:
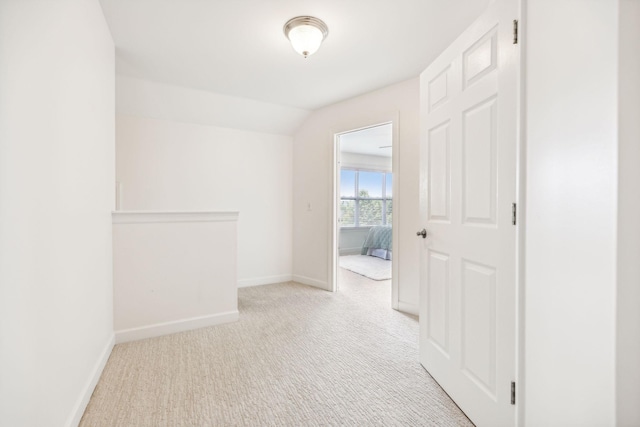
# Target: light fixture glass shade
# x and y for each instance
(305, 39)
(306, 34)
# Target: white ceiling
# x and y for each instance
(373, 141)
(237, 47)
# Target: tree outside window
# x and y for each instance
(365, 198)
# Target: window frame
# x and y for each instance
(357, 198)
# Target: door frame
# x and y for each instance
(369, 121)
(521, 199)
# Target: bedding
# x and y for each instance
(378, 242)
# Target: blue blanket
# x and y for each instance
(379, 237)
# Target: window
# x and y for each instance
(365, 198)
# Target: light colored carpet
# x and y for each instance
(369, 266)
(298, 356)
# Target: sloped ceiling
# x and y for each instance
(237, 47)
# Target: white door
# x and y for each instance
(469, 112)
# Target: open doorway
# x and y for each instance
(364, 202)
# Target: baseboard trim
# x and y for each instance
(311, 282)
(173, 327)
(267, 280)
(409, 308)
(87, 391)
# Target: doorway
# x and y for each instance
(364, 209)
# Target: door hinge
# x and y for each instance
(513, 213)
(515, 31)
(513, 392)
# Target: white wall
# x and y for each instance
(170, 165)
(173, 272)
(365, 161)
(572, 149)
(312, 183)
(628, 318)
(352, 239)
(56, 196)
(162, 101)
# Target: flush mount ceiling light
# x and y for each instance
(306, 34)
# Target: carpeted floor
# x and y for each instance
(298, 356)
(369, 266)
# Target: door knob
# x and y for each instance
(422, 233)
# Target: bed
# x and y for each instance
(378, 242)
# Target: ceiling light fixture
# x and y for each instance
(306, 34)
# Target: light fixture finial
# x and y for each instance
(306, 34)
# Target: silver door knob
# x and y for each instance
(422, 233)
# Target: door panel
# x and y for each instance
(439, 173)
(468, 141)
(479, 325)
(479, 163)
(481, 58)
(439, 89)
(439, 300)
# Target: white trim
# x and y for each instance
(521, 185)
(395, 220)
(175, 326)
(408, 308)
(266, 280)
(92, 381)
(334, 205)
(136, 217)
(311, 282)
(365, 122)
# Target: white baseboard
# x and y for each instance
(267, 280)
(311, 282)
(409, 308)
(92, 381)
(167, 328)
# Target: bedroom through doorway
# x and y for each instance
(365, 207)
